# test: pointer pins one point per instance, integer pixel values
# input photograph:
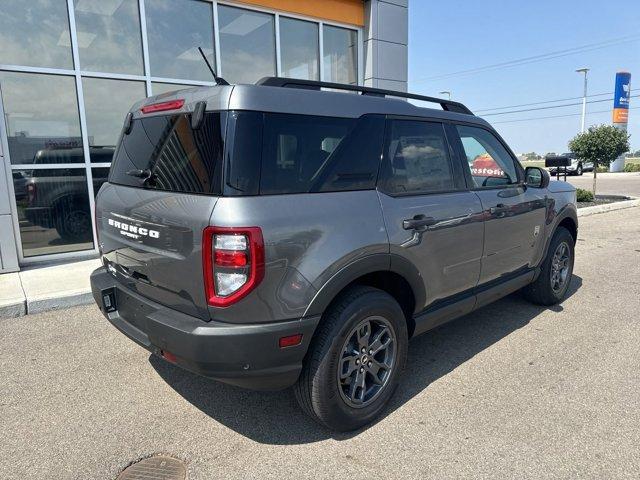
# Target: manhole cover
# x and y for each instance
(160, 467)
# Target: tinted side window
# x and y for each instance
(244, 153)
(165, 153)
(416, 158)
(354, 163)
(272, 153)
(489, 162)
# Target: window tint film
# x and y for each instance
(489, 162)
(165, 153)
(416, 159)
(282, 153)
(296, 148)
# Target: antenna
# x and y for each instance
(219, 80)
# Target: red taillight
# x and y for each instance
(233, 262)
(225, 258)
(161, 107)
(31, 192)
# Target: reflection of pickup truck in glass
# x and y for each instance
(577, 166)
(58, 197)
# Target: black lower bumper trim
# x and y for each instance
(247, 355)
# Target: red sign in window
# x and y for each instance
(485, 166)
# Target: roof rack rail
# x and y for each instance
(447, 105)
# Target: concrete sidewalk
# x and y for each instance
(40, 288)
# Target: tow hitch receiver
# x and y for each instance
(109, 300)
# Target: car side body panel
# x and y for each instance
(308, 239)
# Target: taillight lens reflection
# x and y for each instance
(233, 262)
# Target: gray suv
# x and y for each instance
(280, 234)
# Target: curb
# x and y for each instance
(13, 310)
(39, 305)
(609, 207)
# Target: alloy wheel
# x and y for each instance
(560, 265)
(367, 360)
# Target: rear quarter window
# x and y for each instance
(274, 153)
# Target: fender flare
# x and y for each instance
(566, 212)
(362, 266)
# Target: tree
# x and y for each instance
(601, 145)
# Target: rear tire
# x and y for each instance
(553, 282)
(342, 386)
(579, 170)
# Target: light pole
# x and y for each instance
(445, 92)
(584, 96)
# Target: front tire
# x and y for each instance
(553, 282)
(355, 360)
(579, 170)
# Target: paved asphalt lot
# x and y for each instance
(609, 183)
(511, 391)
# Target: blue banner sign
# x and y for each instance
(621, 97)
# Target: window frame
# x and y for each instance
(457, 172)
(462, 157)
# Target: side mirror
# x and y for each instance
(537, 177)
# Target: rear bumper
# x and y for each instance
(245, 355)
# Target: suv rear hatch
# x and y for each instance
(165, 179)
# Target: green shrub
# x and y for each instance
(632, 167)
(584, 195)
(602, 169)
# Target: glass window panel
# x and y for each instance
(176, 157)
(106, 103)
(489, 162)
(340, 52)
(109, 37)
(53, 210)
(35, 33)
(99, 176)
(416, 159)
(158, 88)
(248, 48)
(299, 49)
(175, 29)
(42, 121)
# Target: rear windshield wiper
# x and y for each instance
(146, 173)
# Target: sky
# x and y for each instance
(450, 36)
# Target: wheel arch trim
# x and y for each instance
(363, 266)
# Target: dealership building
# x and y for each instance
(71, 69)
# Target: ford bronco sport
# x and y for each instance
(280, 234)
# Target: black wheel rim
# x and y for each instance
(367, 360)
(560, 267)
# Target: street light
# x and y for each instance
(584, 95)
(445, 92)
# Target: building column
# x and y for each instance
(386, 38)
(8, 251)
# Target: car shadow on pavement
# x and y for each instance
(275, 418)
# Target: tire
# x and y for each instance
(73, 225)
(549, 289)
(321, 392)
(579, 170)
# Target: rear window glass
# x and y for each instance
(166, 153)
(275, 153)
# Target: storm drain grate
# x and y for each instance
(160, 467)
